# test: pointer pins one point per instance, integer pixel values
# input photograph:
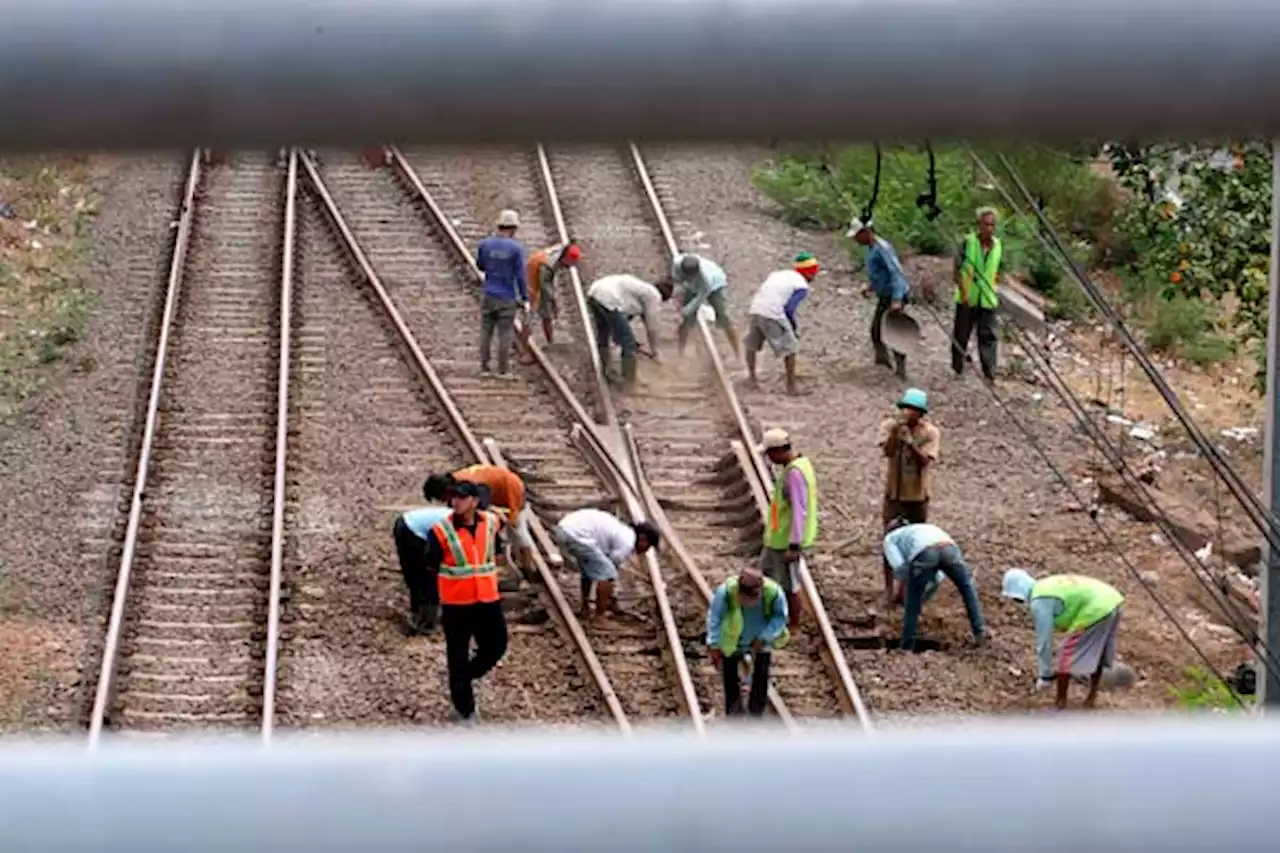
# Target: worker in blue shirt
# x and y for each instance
(702, 282)
(889, 285)
(412, 530)
(501, 257)
(748, 615)
(919, 557)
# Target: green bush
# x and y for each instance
(1201, 690)
(1184, 326)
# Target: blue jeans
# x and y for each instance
(927, 563)
(611, 325)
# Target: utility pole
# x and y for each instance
(1269, 680)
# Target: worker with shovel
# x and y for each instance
(1086, 610)
(747, 619)
(702, 281)
(888, 283)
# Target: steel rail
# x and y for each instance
(105, 692)
(849, 695)
(282, 449)
(586, 438)
(475, 448)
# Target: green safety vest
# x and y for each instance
(1086, 601)
(979, 276)
(732, 623)
(777, 533)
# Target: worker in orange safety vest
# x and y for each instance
(462, 551)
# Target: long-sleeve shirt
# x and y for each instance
(435, 553)
(421, 520)
(884, 271)
(797, 492)
(502, 260)
(755, 626)
(631, 296)
(1043, 612)
(709, 279)
(613, 538)
(903, 545)
(780, 296)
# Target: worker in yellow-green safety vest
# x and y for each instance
(977, 275)
(792, 525)
(1086, 610)
(748, 614)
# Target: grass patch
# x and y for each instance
(44, 304)
(1201, 690)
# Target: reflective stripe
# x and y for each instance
(986, 271)
(469, 578)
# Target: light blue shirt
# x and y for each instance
(709, 279)
(754, 624)
(421, 520)
(1043, 612)
(905, 544)
(884, 271)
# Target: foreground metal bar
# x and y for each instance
(115, 623)
(282, 451)
(1153, 784)
(147, 73)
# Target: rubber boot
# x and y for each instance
(628, 371)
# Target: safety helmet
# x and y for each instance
(914, 398)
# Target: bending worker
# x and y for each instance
(792, 525)
(412, 531)
(747, 614)
(599, 543)
(1086, 610)
(501, 257)
(613, 301)
(919, 556)
(462, 551)
(977, 274)
(888, 283)
(772, 317)
(543, 268)
(502, 490)
(702, 282)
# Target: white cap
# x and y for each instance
(508, 219)
(856, 225)
(773, 439)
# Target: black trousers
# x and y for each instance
(487, 625)
(424, 594)
(877, 342)
(968, 319)
(759, 684)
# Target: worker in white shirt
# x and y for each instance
(772, 316)
(599, 543)
(614, 300)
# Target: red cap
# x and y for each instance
(571, 253)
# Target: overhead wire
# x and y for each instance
(1055, 382)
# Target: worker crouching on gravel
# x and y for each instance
(544, 267)
(702, 282)
(747, 614)
(888, 283)
(1087, 610)
(772, 317)
(501, 257)
(792, 525)
(412, 532)
(501, 490)
(600, 543)
(613, 301)
(462, 551)
(919, 556)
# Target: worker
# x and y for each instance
(910, 443)
(411, 532)
(1087, 610)
(792, 525)
(918, 557)
(502, 490)
(888, 283)
(543, 267)
(748, 615)
(613, 301)
(772, 316)
(600, 543)
(702, 282)
(461, 551)
(977, 274)
(501, 257)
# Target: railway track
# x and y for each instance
(185, 643)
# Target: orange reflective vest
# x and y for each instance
(468, 573)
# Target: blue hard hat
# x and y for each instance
(914, 398)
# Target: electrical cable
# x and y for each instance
(1266, 522)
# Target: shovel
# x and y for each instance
(900, 332)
